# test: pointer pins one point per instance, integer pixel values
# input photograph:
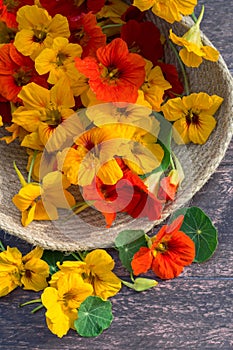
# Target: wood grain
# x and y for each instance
(193, 311)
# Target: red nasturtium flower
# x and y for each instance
(129, 195)
(170, 251)
(87, 34)
(144, 39)
(8, 9)
(171, 75)
(16, 71)
(116, 74)
(168, 186)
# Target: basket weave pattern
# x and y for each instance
(87, 230)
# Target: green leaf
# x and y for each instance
(199, 227)
(128, 242)
(52, 257)
(94, 316)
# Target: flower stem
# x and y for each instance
(2, 248)
(32, 165)
(194, 17)
(186, 85)
(76, 256)
(114, 25)
(30, 302)
(37, 309)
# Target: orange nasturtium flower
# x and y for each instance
(116, 74)
(29, 271)
(170, 10)
(37, 29)
(193, 50)
(192, 116)
(169, 252)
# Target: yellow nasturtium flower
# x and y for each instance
(37, 29)
(44, 113)
(154, 86)
(63, 301)
(58, 60)
(192, 116)
(96, 269)
(10, 266)
(16, 270)
(193, 51)
(170, 10)
(40, 202)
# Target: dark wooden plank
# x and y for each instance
(193, 311)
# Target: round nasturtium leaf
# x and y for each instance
(128, 242)
(94, 316)
(198, 226)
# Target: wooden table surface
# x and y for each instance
(193, 311)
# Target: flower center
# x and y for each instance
(61, 57)
(6, 34)
(53, 117)
(113, 73)
(192, 118)
(10, 4)
(39, 36)
(22, 77)
(28, 274)
(161, 247)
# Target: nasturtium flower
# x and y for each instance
(40, 201)
(116, 74)
(192, 116)
(193, 51)
(37, 29)
(57, 59)
(16, 132)
(168, 186)
(35, 270)
(17, 270)
(88, 34)
(112, 10)
(26, 201)
(154, 86)
(143, 38)
(169, 252)
(135, 114)
(8, 10)
(44, 110)
(10, 266)
(16, 71)
(1, 122)
(92, 154)
(170, 10)
(98, 272)
(63, 301)
(95, 269)
(129, 195)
